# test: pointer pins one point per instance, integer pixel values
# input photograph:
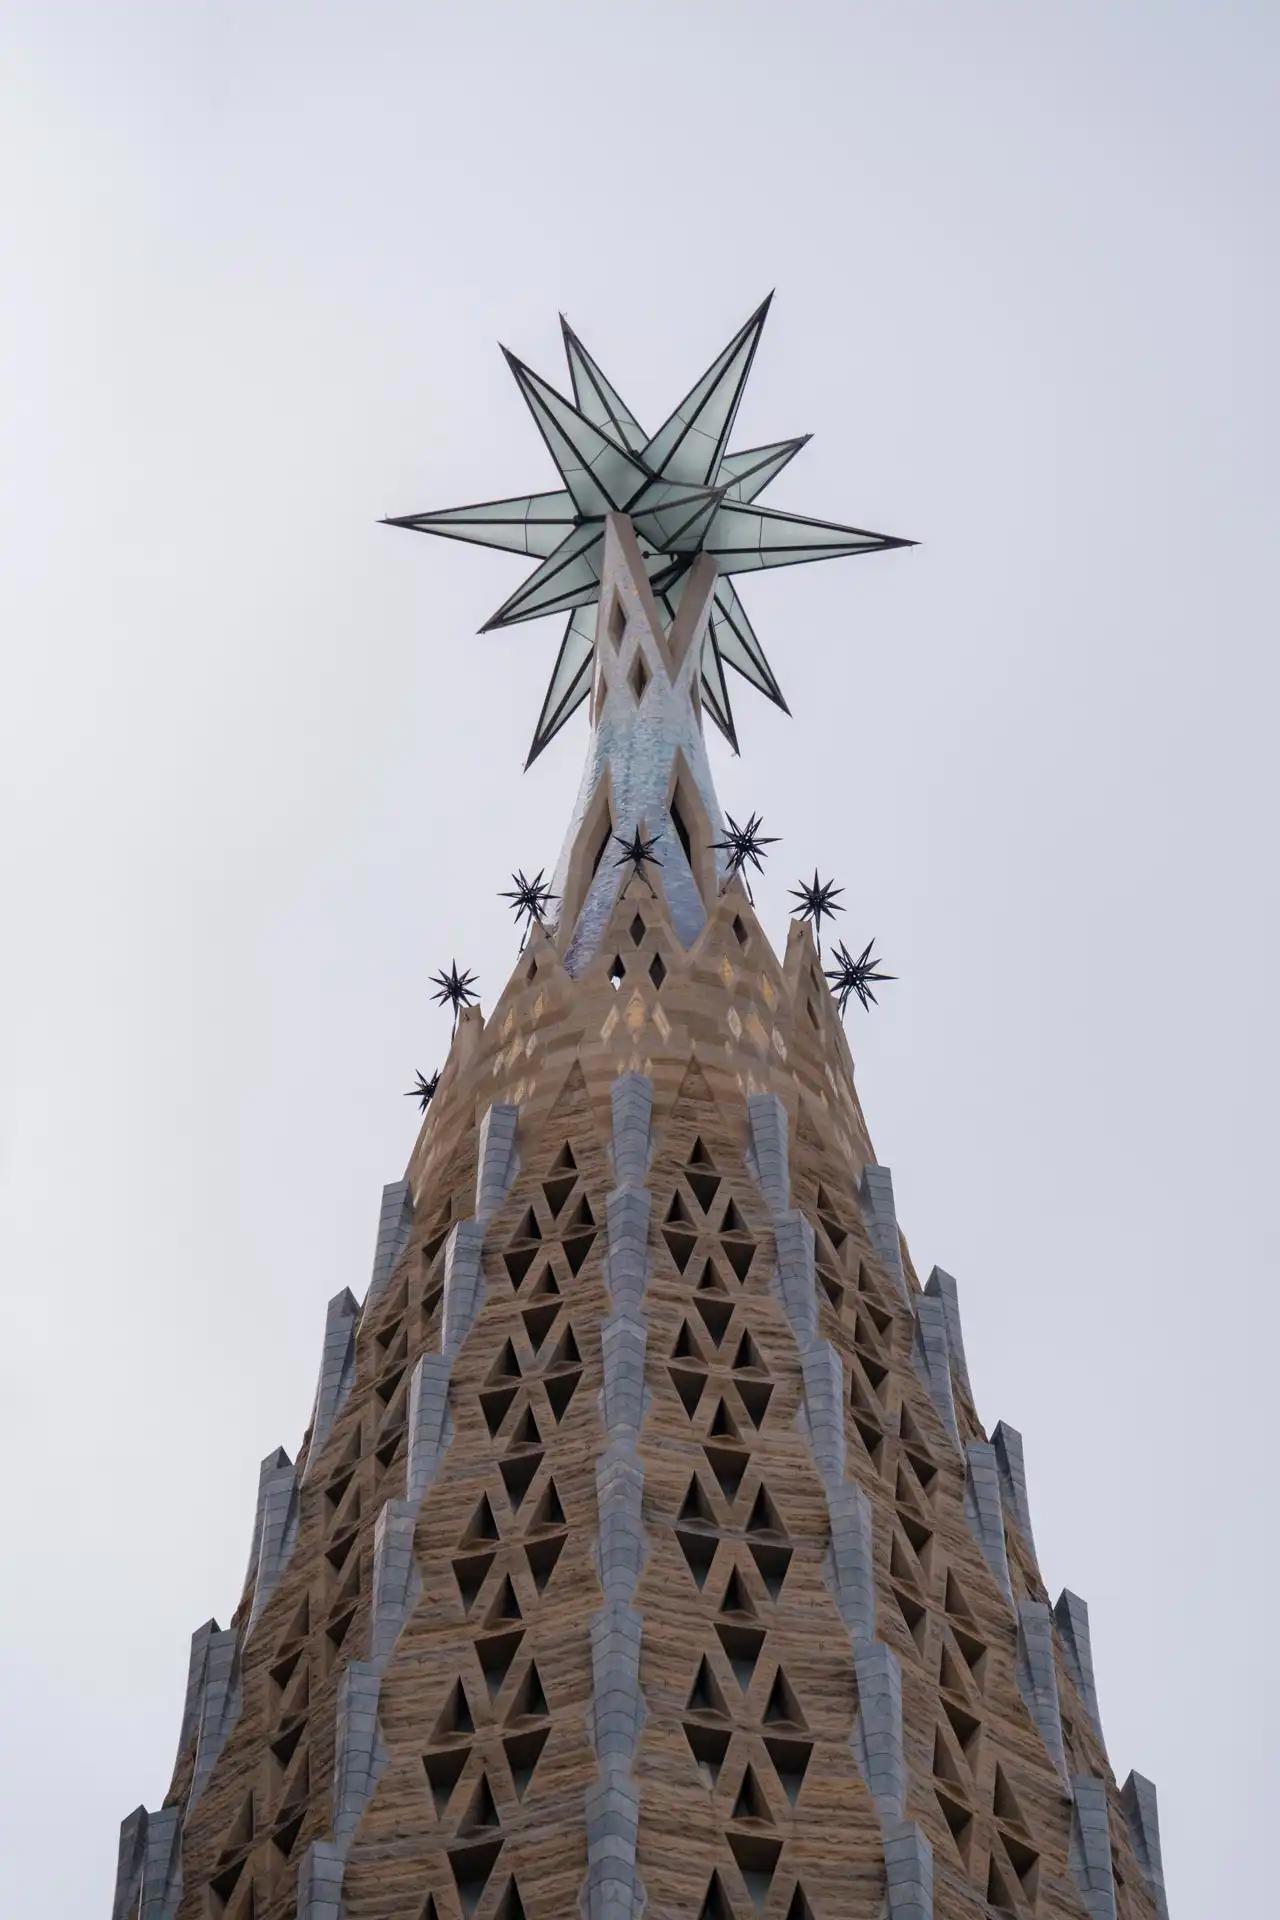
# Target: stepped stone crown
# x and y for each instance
(645, 1553)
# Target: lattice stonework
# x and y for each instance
(645, 1552)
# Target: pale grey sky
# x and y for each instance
(261, 776)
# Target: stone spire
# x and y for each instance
(646, 1552)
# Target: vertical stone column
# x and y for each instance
(613, 1889)
(877, 1737)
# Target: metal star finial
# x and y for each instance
(745, 845)
(815, 900)
(855, 976)
(529, 900)
(453, 989)
(425, 1091)
(686, 494)
(637, 853)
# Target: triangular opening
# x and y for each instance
(523, 1751)
(736, 1598)
(739, 1254)
(680, 1245)
(772, 1563)
(1004, 1801)
(539, 1320)
(1025, 1863)
(959, 1823)
(548, 1512)
(472, 1867)
(695, 1505)
(530, 1702)
(469, 1570)
(496, 1651)
(518, 1474)
(657, 971)
(723, 1425)
(556, 1190)
(542, 1556)
(704, 1185)
(637, 931)
(743, 1646)
(482, 1525)
(677, 1213)
(525, 1433)
(716, 1311)
(560, 1389)
(705, 1695)
(617, 972)
(699, 1550)
(965, 1728)
(757, 1858)
(790, 1762)
(442, 1770)
(689, 1384)
(755, 1396)
(1000, 1895)
(748, 1356)
(799, 1908)
(455, 1720)
(733, 1221)
(708, 1746)
(782, 1709)
(510, 1906)
(715, 1905)
(494, 1403)
(764, 1516)
(728, 1465)
(505, 1608)
(750, 1803)
(914, 1614)
(576, 1248)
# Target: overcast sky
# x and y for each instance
(262, 777)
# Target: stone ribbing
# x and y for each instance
(1011, 1466)
(1089, 1848)
(875, 1196)
(1038, 1678)
(337, 1370)
(984, 1512)
(277, 1529)
(1072, 1616)
(877, 1737)
(1142, 1817)
(395, 1224)
(613, 1890)
(359, 1754)
(931, 1351)
(941, 1286)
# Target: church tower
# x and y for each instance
(645, 1552)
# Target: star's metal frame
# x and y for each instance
(529, 900)
(453, 989)
(686, 494)
(815, 900)
(425, 1091)
(745, 845)
(855, 976)
(637, 853)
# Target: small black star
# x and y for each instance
(529, 899)
(425, 1091)
(816, 900)
(637, 853)
(855, 976)
(453, 989)
(743, 845)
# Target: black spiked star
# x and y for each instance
(815, 900)
(855, 976)
(529, 899)
(453, 989)
(637, 853)
(425, 1091)
(745, 846)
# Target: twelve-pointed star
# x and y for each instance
(453, 989)
(855, 976)
(425, 1091)
(686, 494)
(529, 898)
(637, 853)
(815, 900)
